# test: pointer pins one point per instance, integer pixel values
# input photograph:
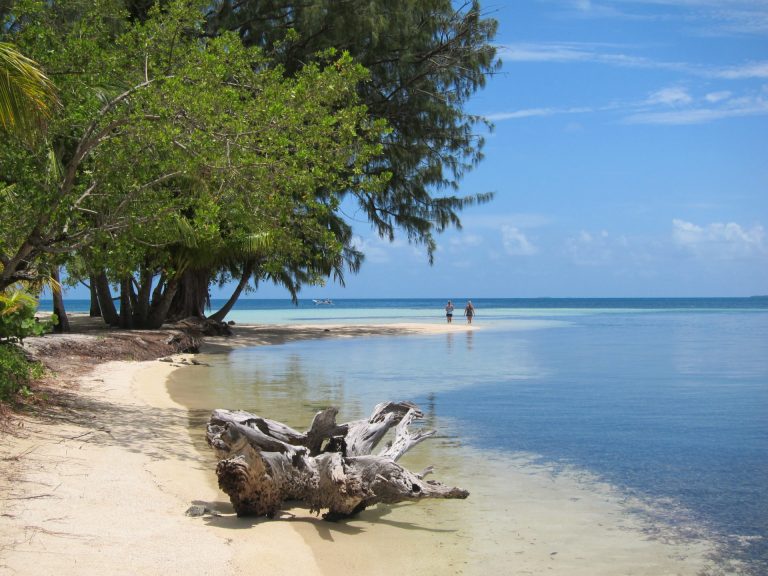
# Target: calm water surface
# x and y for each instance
(666, 400)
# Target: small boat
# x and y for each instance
(323, 301)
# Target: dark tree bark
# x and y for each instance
(224, 310)
(106, 303)
(58, 304)
(330, 466)
(191, 296)
(126, 309)
(161, 304)
(141, 302)
(95, 311)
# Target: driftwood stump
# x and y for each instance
(263, 463)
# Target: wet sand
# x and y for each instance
(104, 490)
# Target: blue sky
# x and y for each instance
(629, 158)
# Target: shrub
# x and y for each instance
(17, 317)
(16, 372)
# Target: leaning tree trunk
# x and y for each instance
(224, 310)
(330, 466)
(58, 304)
(161, 303)
(106, 303)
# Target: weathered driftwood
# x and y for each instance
(263, 463)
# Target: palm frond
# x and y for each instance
(185, 232)
(256, 244)
(54, 168)
(27, 96)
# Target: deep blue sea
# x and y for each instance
(665, 399)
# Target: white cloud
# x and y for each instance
(589, 249)
(496, 221)
(569, 52)
(544, 52)
(524, 113)
(466, 240)
(672, 105)
(536, 112)
(674, 96)
(714, 97)
(703, 17)
(613, 55)
(742, 71)
(730, 108)
(718, 241)
(669, 106)
(516, 243)
(375, 249)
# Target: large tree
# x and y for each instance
(169, 144)
(425, 58)
(147, 188)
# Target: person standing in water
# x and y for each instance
(449, 311)
(469, 311)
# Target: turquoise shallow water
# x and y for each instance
(667, 400)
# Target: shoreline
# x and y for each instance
(104, 488)
(100, 482)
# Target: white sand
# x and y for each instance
(104, 492)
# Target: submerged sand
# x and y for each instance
(103, 489)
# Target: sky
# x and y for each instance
(629, 159)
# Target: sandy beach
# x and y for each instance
(103, 486)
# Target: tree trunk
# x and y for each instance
(106, 304)
(95, 311)
(58, 304)
(224, 310)
(126, 310)
(161, 304)
(142, 305)
(191, 296)
(330, 466)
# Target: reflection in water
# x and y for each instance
(430, 410)
(354, 375)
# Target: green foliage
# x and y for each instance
(16, 372)
(180, 139)
(425, 59)
(27, 96)
(17, 317)
(171, 146)
(17, 321)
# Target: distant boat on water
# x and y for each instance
(323, 301)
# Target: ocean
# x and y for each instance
(663, 400)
